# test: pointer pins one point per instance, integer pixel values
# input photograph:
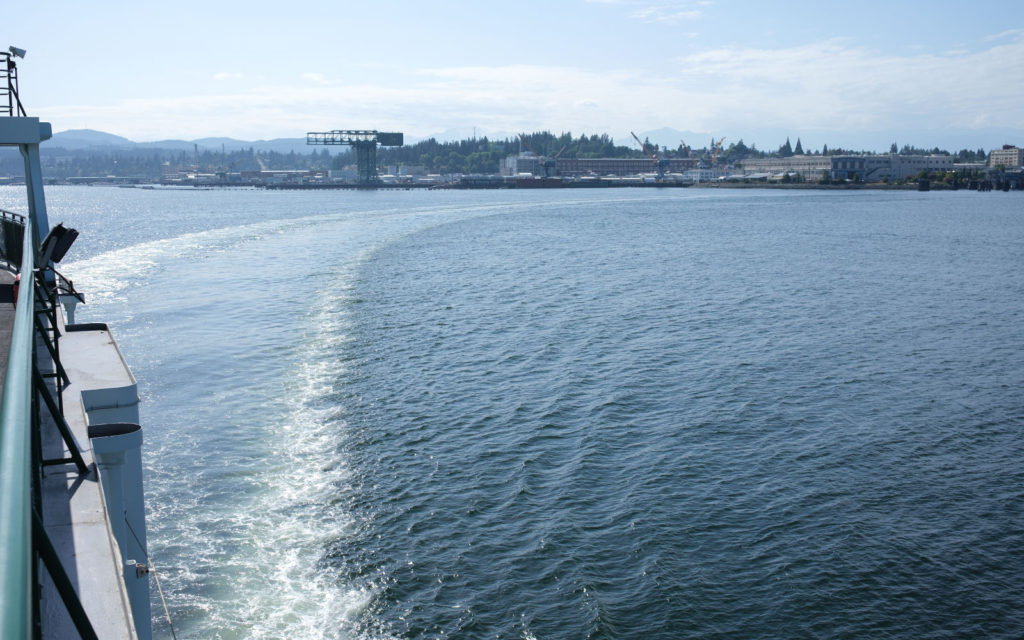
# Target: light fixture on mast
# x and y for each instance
(10, 103)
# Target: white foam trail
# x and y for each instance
(252, 563)
(108, 275)
(292, 527)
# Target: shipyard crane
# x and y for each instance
(660, 164)
(716, 151)
(551, 164)
(365, 143)
(524, 141)
(522, 138)
(545, 165)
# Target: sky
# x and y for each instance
(857, 75)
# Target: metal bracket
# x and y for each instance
(62, 426)
(60, 579)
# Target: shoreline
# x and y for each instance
(873, 186)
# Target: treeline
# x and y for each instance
(482, 155)
(477, 155)
(739, 151)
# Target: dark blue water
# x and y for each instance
(680, 414)
(742, 417)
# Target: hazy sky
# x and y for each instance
(928, 73)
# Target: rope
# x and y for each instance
(156, 577)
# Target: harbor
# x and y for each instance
(536, 380)
(475, 321)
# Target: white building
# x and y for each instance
(869, 168)
(1009, 156)
(701, 175)
(910, 166)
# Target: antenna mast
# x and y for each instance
(9, 83)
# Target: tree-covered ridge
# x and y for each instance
(482, 155)
(471, 156)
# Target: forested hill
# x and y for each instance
(475, 156)
(481, 155)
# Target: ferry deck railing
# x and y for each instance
(17, 565)
(23, 540)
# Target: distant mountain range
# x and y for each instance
(89, 139)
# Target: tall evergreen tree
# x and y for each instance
(786, 150)
(798, 150)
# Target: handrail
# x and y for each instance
(15, 463)
(66, 288)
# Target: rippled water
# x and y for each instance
(643, 413)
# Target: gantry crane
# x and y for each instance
(365, 143)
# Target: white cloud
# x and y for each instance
(1009, 33)
(665, 15)
(827, 85)
(669, 12)
(831, 85)
(224, 75)
(317, 78)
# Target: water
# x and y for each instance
(604, 414)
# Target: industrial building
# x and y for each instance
(531, 163)
(869, 168)
(810, 168)
(1009, 156)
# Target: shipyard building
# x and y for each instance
(811, 168)
(869, 168)
(1009, 156)
(530, 163)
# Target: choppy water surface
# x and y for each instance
(638, 413)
